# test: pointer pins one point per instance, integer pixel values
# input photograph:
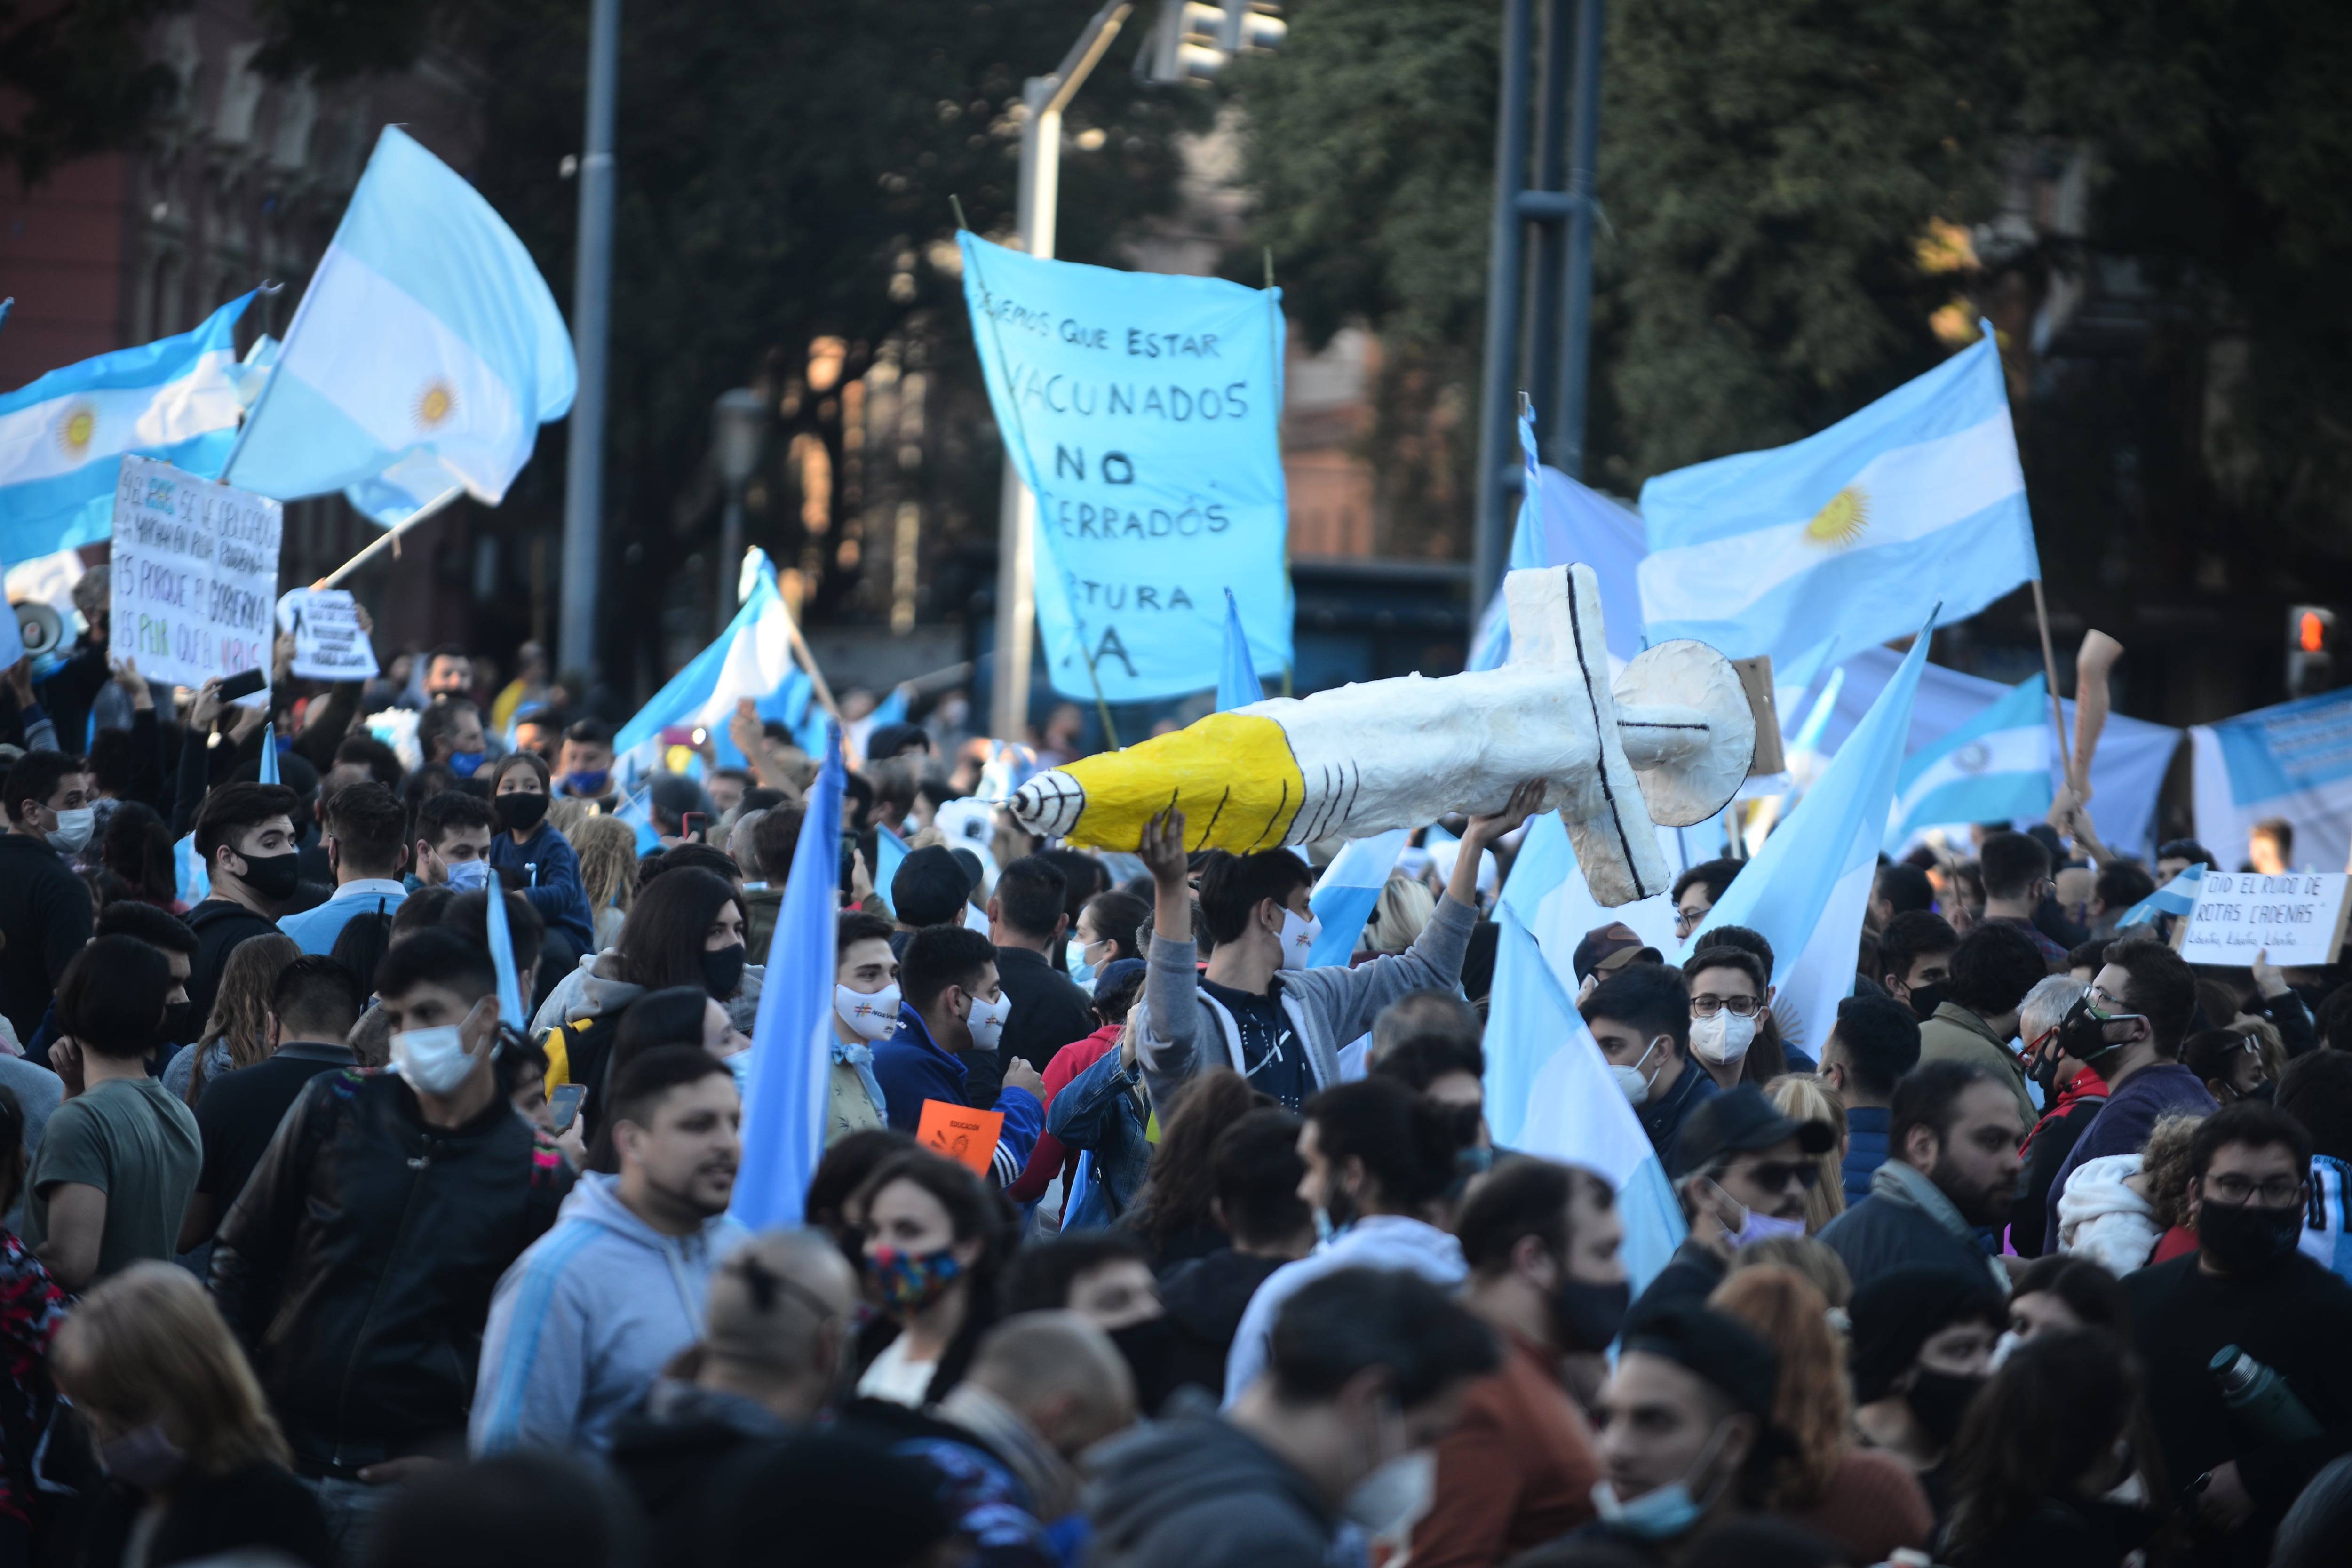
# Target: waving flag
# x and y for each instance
(267, 772)
(424, 357)
(1549, 1092)
(1347, 892)
(511, 1012)
(62, 437)
(1994, 768)
(752, 657)
(1851, 534)
(792, 1041)
(1563, 522)
(1237, 682)
(1807, 887)
(890, 854)
(2178, 897)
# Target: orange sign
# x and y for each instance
(960, 1133)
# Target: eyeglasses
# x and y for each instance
(1737, 1007)
(2099, 998)
(2278, 1193)
(1686, 922)
(1773, 1175)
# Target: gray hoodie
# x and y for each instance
(1203, 1494)
(1182, 1030)
(592, 991)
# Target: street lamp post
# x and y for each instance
(739, 423)
(1042, 98)
(592, 303)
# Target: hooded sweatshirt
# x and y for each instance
(2104, 1220)
(1203, 1494)
(584, 1321)
(594, 988)
(1376, 1241)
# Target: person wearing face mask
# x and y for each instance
(2071, 1093)
(1922, 1347)
(1639, 1017)
(1104, 1277)
(1951, 1172)
(1915, 959)
(1257, 1007)
(357, 1264)
(865, 999)
(2246, 1286)
(1728, 1032)
(1742, 1170)
(1378, 1157)
(1104, 934)
(196, 1467)
(245, 834)
(1994, 967)
(1873, 1043)
(167, 935)
(453, 832)
(540, 859)
(587, 1317)
(951, 1010)
(1026, 922)
(1542, 1241)
(1368, 1368)
(934, 1239)
(2129, 1028)
(450, 734)
(364, 829)
(583, 767)
(45, 913)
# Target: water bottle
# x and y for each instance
(2261, 1397)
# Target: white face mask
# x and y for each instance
(73, 829)
(433, 1061)
(2003, 1347)
(1394, 1495)
(1723, 1039)
(987, 1021)
(1298, 938)
(871, 1015)
(469, 876)
(1636, 1088)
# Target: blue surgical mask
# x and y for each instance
(469, 876)
(1666, 1513)
(464, 763)
(588, 780)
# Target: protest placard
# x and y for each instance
(960, 1133)
(195, 575)
(2297, 918)
(327, 642)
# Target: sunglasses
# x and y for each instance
(1773, 1175)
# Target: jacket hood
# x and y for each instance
(602, 990)
(595, 1200)
(1141, 1479)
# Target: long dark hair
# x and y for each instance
(1177, 1192)
(138, 849)
(2058, 1402)
(661, 940)
(973, 1212)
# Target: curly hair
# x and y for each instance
(1810, 1402)
(607, 848)
(241, 1010)
(1177, 1194)
(2165, 1166)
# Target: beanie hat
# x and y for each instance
(1897, 1311)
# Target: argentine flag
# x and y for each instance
(1347, 892)
(1237, 682)
(424, 357)
(1561, 521)
(1848, 536)
(1550, 1093)
(1807, 887)
(2178, 897)
(62, 437)
(752, 657)
(1994, 768)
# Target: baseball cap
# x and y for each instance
(1607, 949)
(1739, 1120)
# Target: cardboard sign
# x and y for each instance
(195, 576)
(2299, 918)
(960, 1133)
(327, 642)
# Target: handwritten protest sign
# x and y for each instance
(327, 642)
(2297, 918)
(960, 1132)
(1141, 410)
(195, 575)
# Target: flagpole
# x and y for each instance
(808, 663)
(2050, 669)
(403, 526)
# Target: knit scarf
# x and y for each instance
(1898, 1182)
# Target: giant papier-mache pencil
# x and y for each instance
(1667, 742)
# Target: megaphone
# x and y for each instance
(43, 630)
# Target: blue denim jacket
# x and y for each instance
(1103, 1111)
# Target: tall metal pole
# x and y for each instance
(1496, 407)
(1044, 97)
(592, 300)
(1584, 153)
(1547, 288)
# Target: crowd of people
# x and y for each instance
(311, 1249)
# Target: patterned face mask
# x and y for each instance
(910, 1281)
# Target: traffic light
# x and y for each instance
(2310, 650)
(1192, 40)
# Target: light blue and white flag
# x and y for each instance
(752, 657)
(1994, 768)
(2294, 761)
(637, 811)
(890, 854)
(1237, 682)
(502, 956)
(424, 358)
(268, 770)
(1550, 1093)
(792, 1040)
(1808, 887)
(2178, 897)
(1850, 535)
(1141, 410)
(62, 437)
(1570, 523)
(192, 879)
(1349, 890)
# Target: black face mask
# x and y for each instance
(2082, 1034)
(1925, 1000)
(180, 1023)
(2248, 1239)
(722, 971)
(520, 811)
(1150, 1349)
(271, 876)
(1589, 1316)
(1941, 1400)
(2045, 1073)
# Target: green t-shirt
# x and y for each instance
(136, 1143)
